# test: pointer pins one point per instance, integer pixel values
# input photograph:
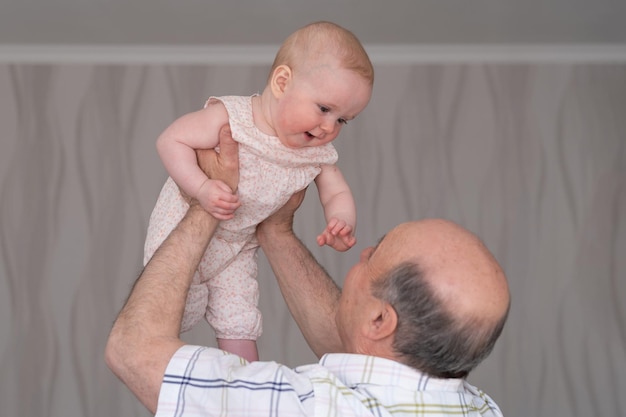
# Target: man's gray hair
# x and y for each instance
(428, 337)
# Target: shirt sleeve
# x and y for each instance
(202, 381)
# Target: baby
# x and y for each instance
(321, 78)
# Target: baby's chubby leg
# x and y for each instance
(232, 309)
(245, 348)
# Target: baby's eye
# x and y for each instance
(324, 109)
(342, 121)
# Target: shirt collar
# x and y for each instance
(353, 370)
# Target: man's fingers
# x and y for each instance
(228, 148)
(206, 159)
(229, 157)
(225, 165)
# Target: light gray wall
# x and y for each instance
(531, 157)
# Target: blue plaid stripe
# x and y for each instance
(219, 383)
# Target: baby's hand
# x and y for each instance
(338, 235)
(218, 199)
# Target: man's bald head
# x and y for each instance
(449, 293)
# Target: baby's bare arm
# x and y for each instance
(178, 143)
(339, 209)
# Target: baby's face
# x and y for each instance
(317, 103)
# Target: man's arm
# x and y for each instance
(145, 335)
(311, 295)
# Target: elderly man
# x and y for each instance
(415, 316)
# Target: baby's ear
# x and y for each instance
(280, 78)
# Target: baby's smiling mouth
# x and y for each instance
(310, 135)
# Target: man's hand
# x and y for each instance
(282, 220)
(223, 166)
(218, 194)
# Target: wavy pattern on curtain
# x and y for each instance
(531, 157)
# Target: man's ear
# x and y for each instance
(281, 76)
(383, 321)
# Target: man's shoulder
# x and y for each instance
(203, 362)
(202, 378)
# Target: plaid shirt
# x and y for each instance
(202, 381)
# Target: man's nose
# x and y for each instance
(365, 253)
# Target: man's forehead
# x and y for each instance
(398, 245)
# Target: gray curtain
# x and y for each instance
(531, 157)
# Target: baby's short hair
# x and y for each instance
(318, 40)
